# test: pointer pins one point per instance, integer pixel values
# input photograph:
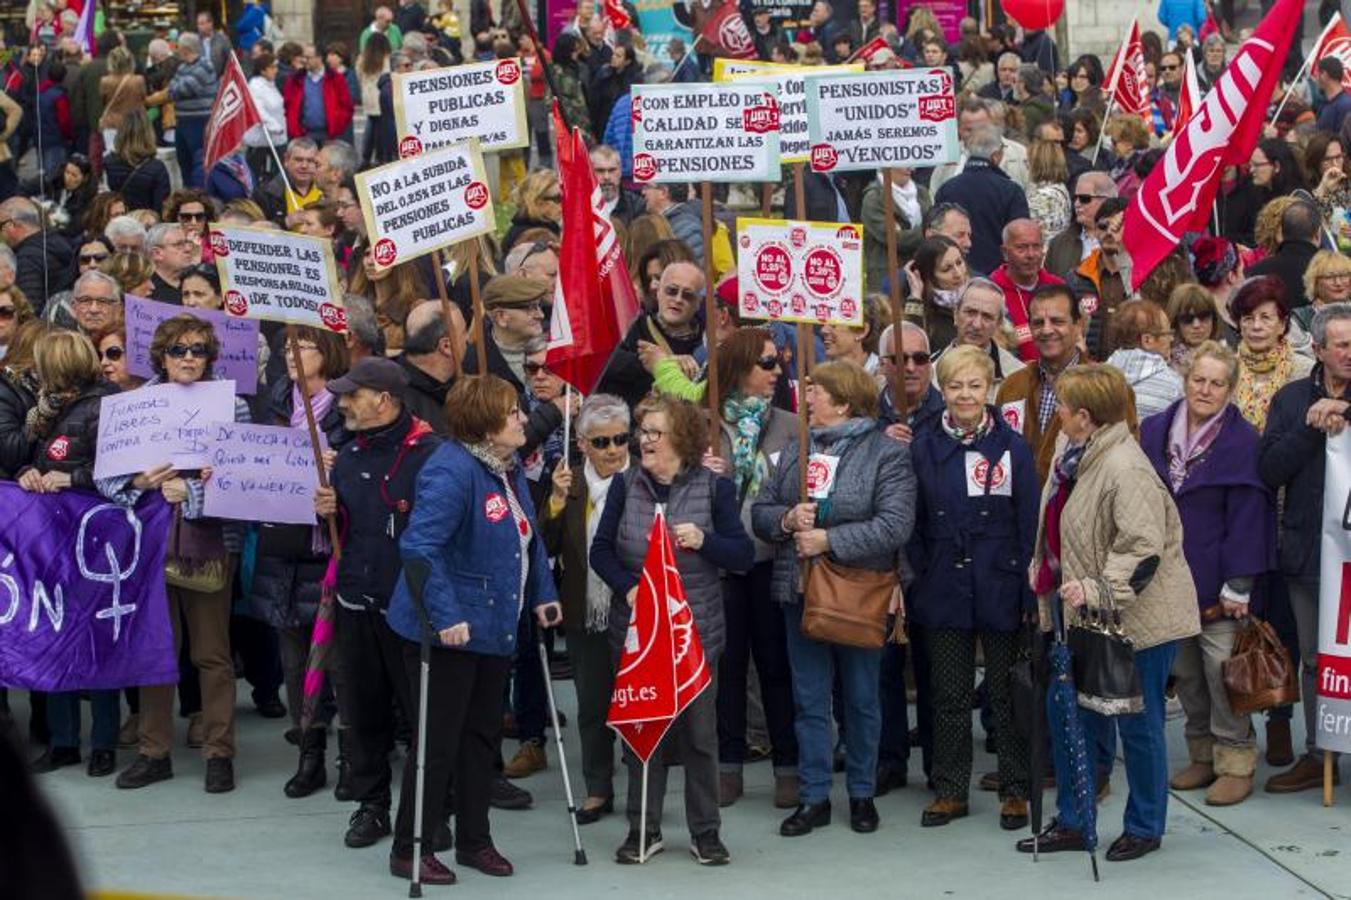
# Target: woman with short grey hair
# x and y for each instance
(568, 525)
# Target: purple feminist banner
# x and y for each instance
(82, 602)
(238, 339)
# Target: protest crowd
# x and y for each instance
(1042, 405)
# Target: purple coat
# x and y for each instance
(1228, 513)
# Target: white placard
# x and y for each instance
(705, 132)
(792, 83)
(1332, 715)
(278, 275)
(424, 203)
(435, 108)
(800, 271)
(897, 118)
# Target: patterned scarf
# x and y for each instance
(1186, 446)
(1260, 376)
(747, 416)
(837, 439)
(1063, 472)
(946, 299)
(321, 402)
(598, 593)
(968, 435)
(44, 413)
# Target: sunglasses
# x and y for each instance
(1085, 199)
(180, 351)
(113, 354)
(918, 359)
(604, 441)
(1193, 318)
(768, 363)
(93, 257)
(533, 369)
(1169, 68)
(8, 312)
(192, 217)
(685, 294)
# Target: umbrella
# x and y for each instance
(1030, 680)
(321, 643)
(1065, 725)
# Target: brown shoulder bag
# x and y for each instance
(1258, 674)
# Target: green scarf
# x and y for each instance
(747, 416)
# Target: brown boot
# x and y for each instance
(1194, 777)
(730, 788)
(942, 811)
(1305, 775)
(1280, 751)
(527, 761)
(1228, 790)
(785, 791)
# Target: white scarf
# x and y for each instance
(905, 197)
(597, 591)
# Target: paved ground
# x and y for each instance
(172, 838)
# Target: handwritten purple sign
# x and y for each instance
(158, 424)
(238, 340)
(261, 473)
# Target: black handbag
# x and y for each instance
(1105, 676)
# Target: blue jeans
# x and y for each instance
(63, 710)
(1142, 741)
(190, 145)
(814, 666)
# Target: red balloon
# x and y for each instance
(1034, 15)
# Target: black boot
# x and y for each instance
(343, 791)
(310, 775)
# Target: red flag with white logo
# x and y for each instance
(662, 669)
(617, 15)
(1126, 82)
(1177, 195)
(725, 33)
(232, 115)
(1189, 96)
(594, 301)
(1335, 41)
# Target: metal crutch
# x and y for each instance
(425, 664)
(579, 856)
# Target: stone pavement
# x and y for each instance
(174, 839)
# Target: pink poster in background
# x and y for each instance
(948, 12)
(557, 15)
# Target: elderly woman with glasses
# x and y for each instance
(568, 526)
(538, 205)
(1326, 280)
(183, 351)
(710, 540)
(1267, 361)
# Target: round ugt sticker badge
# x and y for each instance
(821, 471)
(495, 508)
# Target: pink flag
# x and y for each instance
(1177, 195)
(1189, 97)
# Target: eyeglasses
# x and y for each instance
(192, 216)
(604, 441)
(916, 359)
(552, 198)
(8, 312)
(113, 354)
(185, 244)
(86, 300)
(180, 351)
(1194, 318)
(1260, 165)
(533, 368)
(1085, 199)
(768, 363)
(1169, 68)
(651, 435)
(1336, 276)
(292, 346)
(675, 291)
(86, 258)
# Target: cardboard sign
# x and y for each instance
(158, 424)
(800, 271)
(238, 340)
(792, 83)
(899, 118)
(277, 275)
(1332, 714)
(260, 473)
(435, 108)
(705, 132)
(426, 202)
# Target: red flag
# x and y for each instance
(726, 33)
(1189, 96)
(594, 302)
(232, 115)
(1126, 80)
(1177, 195)
(1335, 41)
(1208, 27)
(869, 51)
(663, 667)
(618, 16)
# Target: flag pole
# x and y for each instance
(1102, 129)
(1304, 66)
(304, 386)
(480, 348)
(806, 345)
(710, 315)
(898, 400)
(567, 421)
(642, 820)
(441, 294)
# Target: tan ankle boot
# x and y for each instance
(1194, 777)
(1228, 790)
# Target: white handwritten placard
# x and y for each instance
(161, 423)
(435, 108)
(279, 276)
(238, 340)
(261, 473)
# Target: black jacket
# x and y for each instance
(520, 224)
(410, 18)
(164, 292)
(1292, 456)
(1288, 263)
(271, 198)
(72, 439)
(16, 399)
(145, 186)
(629, 206)
(374, 476)
(34, 257)
(425, 397)
(624, 374)
(992, 199)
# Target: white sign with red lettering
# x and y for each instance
(277, 275)
(1332, 714)
(800, 271)
(435, 108)
(893, 118)
(821, 471)
(792, 82)
(425, 203)
(705, 132)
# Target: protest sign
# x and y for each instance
(158, 424)
(260, 473)
(792, 84)
(82, 602)
(277, 275)
(894, 118)
(238, 339)
(705, 132)
(949, 14)
(1332, 716)
(800, 271)
(426, 202)
(435, 108)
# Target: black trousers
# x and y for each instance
(464, 702)
(375, 683)
(755, 626)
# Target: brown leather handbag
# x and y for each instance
(846, 605)
(1258, 673)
